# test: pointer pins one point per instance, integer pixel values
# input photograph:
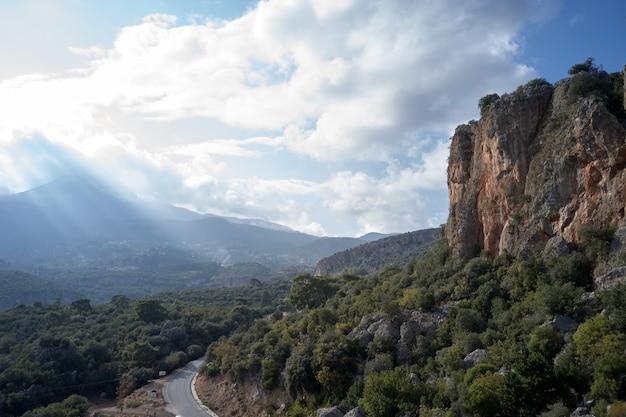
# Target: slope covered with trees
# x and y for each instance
(53, 356)
(442, 336)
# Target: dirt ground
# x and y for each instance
(219, 394)
(145, 401)
(237, 400)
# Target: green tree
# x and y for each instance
(82, 305)
(150, 311)
(390, 393)
(143, 354)
(310, 291)
(270, 372)
(334, 364)
(594, 338)
(531, 384)
(487, 396)
(485, 102)
(120, 301)
(299, 376)
(587, 66)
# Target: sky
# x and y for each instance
(332, 117)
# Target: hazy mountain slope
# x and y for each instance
(78, 218)
(23, 288)
(368, 257)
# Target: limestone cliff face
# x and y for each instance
(538, 164)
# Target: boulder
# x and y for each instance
(562, 324)
(474, 358)
(611, 279)
(355, 412)
(556, 246)
(329, 412)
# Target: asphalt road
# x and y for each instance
(179, 395)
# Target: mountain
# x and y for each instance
(371, 256)
(23, 288)
(540, 163)
(78, 218)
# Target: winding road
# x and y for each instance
(180, 396)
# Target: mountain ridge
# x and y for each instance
(57, 221)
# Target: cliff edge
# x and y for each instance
(539, 163)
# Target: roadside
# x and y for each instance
(145, 401)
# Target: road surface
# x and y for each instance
(179, 395)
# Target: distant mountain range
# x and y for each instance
(77, 218)
(77, 238)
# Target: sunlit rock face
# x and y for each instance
(538, 164)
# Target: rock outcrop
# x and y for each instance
(540, 163)
(402, 330)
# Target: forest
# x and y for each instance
(300, 336)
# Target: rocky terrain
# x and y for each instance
(540, 162)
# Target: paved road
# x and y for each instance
(179, 395)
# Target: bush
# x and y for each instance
(532, 84)
(537, 82)
(556, 410)
(485, 102)
(617, 409)
(585, 84)
(486, 396)
(390, 393)
(195, 352)
(587, 66)
(596, 240)
(381, 362)
(270, 371)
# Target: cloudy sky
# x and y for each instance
(332, 117)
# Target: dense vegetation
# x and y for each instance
(53, 356)
(134, 275)
(298, 336)
(502, 305)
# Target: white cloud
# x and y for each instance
(395, 201)
(339, 82)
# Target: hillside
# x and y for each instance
(76, 232)
(372, 256)
(54, 222)
(22, 288)
(482, 324)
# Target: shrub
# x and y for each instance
(556, 410)
(585, 84)
(532, 84)
(486, 396)
(617, 409)
(537, 82)
(270, 371)
(596, 240)
(587, 66)
(485, 102)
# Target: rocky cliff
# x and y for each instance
(539, 163)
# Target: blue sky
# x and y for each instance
(332, 117)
